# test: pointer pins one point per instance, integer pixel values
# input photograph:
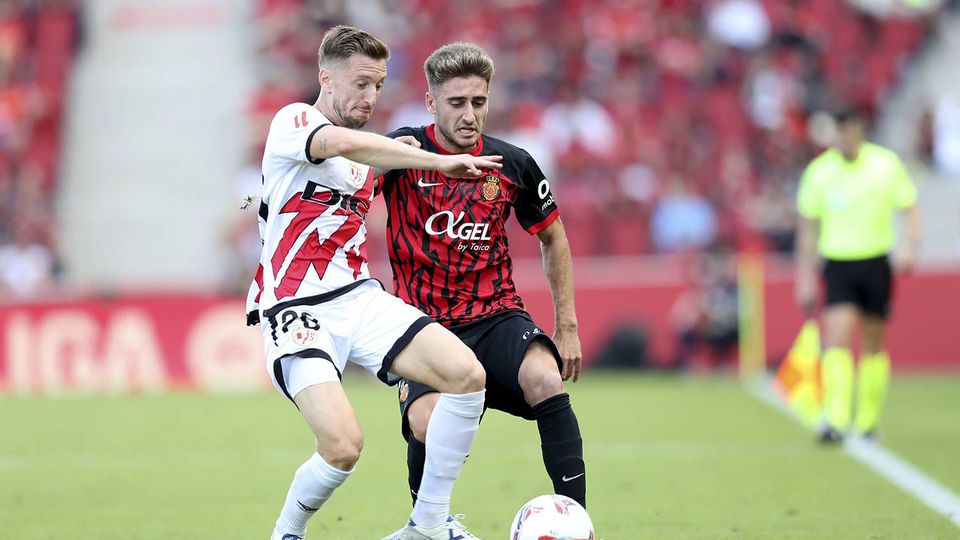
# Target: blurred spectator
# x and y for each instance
(26, 265)
(577, 122)
(705, 317)
(241, 235)
(682, 219)
(946, 135)
(774, 215)
(738, 23)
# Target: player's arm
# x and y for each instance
(558, 266)
(408, 140)
(908, 256)
(384, 153)
(809, 211)
(808, 229)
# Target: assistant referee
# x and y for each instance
(847, 200)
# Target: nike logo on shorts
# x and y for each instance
(565, 479)
(421, 183)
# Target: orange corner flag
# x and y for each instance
(798, 379)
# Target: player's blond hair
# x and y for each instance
(457, 60)
(342, 42)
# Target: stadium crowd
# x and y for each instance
(663, 125)
(37, 42)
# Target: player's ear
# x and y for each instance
(431, 103)
(324, 76)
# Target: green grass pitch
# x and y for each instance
(667, 458)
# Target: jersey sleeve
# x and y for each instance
(292, 131)
(391, 176)
(904, 190)
(808, 196)
(536, 206)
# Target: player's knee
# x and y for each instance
(475, 378)
(540, 385)
(468, 377)
(418, 415)
(342, 454)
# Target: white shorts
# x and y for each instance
(309, 340)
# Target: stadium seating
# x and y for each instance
(37, 44)
(680, 99)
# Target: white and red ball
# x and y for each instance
(552, 517)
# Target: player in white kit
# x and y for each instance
(318, 306)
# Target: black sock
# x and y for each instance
(562, 447)
(416, 456)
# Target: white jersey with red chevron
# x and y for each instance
(311, 214)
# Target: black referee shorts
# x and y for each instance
(500, 342)
(866, 283)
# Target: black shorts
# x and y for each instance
(866, 283)
(500, 342)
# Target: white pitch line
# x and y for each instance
(874, 456)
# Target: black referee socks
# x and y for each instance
(562, 447)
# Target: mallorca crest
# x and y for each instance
(491, 187)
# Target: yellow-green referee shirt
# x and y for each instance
(855, 202)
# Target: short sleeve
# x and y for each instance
(904, 190)
(536, 206)
(389, 177)
(809, 200)
(292, 131)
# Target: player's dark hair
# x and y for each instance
(457, 60)
(342, 42)
(845, 115)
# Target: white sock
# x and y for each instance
(453, 426)
(312, 485)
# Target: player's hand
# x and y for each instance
(906, 260)
(408, 140)
(465, 165)
(805, 293)
(568, 343)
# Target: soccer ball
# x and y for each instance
(552, 517)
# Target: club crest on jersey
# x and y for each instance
(303, 336)
(358, 176)
(491, 187)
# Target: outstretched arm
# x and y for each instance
(409, 140)
(558, 266)
(384, 153)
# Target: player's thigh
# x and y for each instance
(522, 364)
(438, 358)
(539, 374)
(839, 323)
(332, 420)
(876, 282)
(383, 327)
(300, 355)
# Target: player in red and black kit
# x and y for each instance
(450, 257)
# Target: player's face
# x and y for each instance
(850, 136)
(352, 88)
(459, 107)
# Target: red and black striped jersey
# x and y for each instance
(447, 236)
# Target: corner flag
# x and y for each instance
(798, 379)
